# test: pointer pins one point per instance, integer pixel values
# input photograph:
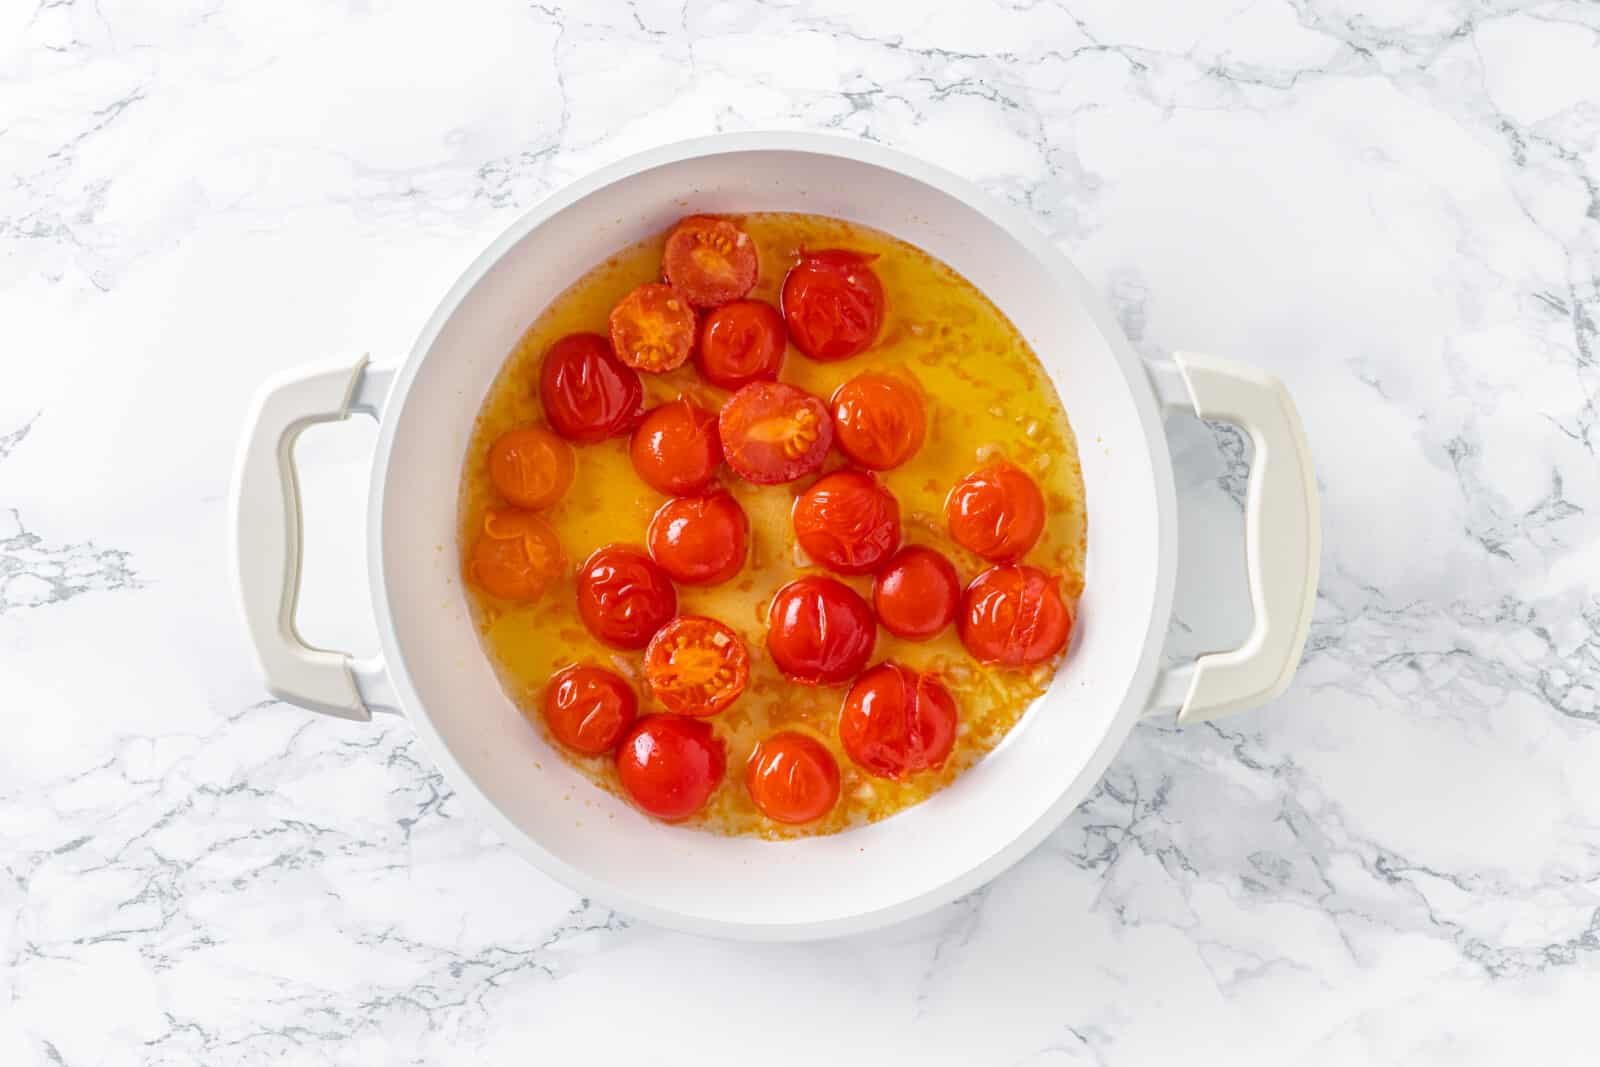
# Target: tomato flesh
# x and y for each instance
(699, 540)
(515, 556)
(588, 709)
(652, 328)
(531, 467)
(740, 343)
(997, 512)
(773, 432)
(792, 777)
(623, 597)
(676, 449)
(588, 395)
(879, 421)
(819, 631)
(1012, 615)
(848, 521)
(710, 260)
(833, 304)
(670, 765)
(696, 666)
(897, 722)
(917, 594)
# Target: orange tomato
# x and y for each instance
(878, 421)
(515, 556)
(792, 777)
(676, 449)
(997, 512)
(653, 328)
(531, 467)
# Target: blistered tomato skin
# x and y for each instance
(879, 420)
(653, 328)
(624, 597)
(669, 766)
(898, 722)
(588, 709)
(700, 540)
(997, 512)
(587, 393)
(917, 594)
(740, 343)
(696, 666)
(516, 555)
(773, 432)
(833, 304)
(677, 448)
(531, 467)
(710, 260)
(820, 631)
(848, 522)
(792, 778)
(1012, 615)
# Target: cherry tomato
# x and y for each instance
(740, 343)
(531, 467)
(1013, 615)
(819, 631)
(588, 709)
(588, 395)
(833, 303)
(696, 666)
(623, 597)
(652, 328)
(848, 521)
(515, 556)
(671, 765)
(792, 777)
(897, 721)
(772, 432)
(676, 449)
(710, 260)
(699, 540)
(917, 595)
(879, 421)
(997, 512)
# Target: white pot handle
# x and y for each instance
(267, 534)
(1283, 536)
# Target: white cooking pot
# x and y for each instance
(433, 671)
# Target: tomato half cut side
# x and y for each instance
(710, 260)
(879, 421)
(773, 432)
(833, 304)
(588, 395)
(740, 343)
(696, 666)
(847, 521)
(820, 631)
(530, 466)
(652, 328)
(917, 594)
(897, 722)
(677, 449)
(792, 777)
(515, 556)
(997, 512)
(700, 540)
(623, 597)
(588, 709)
(669, 766)
(1012, 615)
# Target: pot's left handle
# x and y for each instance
(267, 535)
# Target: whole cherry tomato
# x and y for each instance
(588, 395)
(531, 467)
(670, 765)
(515, 556)
(699, 540)
(676, 449)
(847, 521)
(997, 512)
(897, 721)
(696, 666)
(879, 421)
(819, 631)
(652, 328)
(792, 777)
(1013, 615)
(918, 594)
(588, 709)
(623, 597)
(773, 432)
(740, 343)
(711, 261)
(833, 303)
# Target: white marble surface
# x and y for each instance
(1393, 204)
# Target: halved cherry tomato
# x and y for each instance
(699, 540)
(676, 449)
(878, 420)
(711, 260)
(588, 709)
(1013, 615)
(996, 511)
(792, 777)
(897, 721)
(652, 328)
(588, 395)
(515, 556)
(696, 666)
(623, 597)
(740, 343)
(773, 432)
(670, 765)
(848, 521)
(833, 303)
(917, 595)
(819, 631)
(531, 467)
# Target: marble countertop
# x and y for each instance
(1395, 206)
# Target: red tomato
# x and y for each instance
(588, 709)
(819, 631)
(848, 522)
(588, 395)
(652, 328)
(997, 512)
(792, 777)
(710, 260)
(833, 303)
(515, 556)
(531, 467)
(879, 421)
(897, 722)
(1013, 615)
(740, 343)
(772, 432)
(670, 765)
(696, 666)
(623, 597)
(676, 449)
(917, 595)
(699, 540)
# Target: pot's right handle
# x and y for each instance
(1283, 536)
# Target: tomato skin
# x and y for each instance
(879, 421)
(588, 395)
(516, 555)
(530, 466)
(696, 666)
(773, 432)
(792, 777)
(677, 449)
(623, 597)
(710, 260)
(588, 709)
(997, 512)
(740, 343)
(653, 328)
(848, 521)
(1012, 615)
(670, 765)
(833, 304)
(819, 631)
(897, 722)
(700, 540)
(917, 594)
